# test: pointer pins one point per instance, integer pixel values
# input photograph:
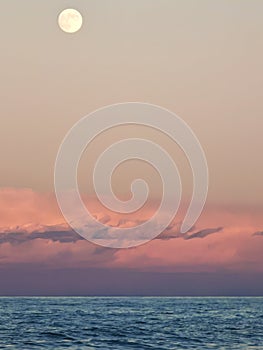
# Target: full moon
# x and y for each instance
(70, 20)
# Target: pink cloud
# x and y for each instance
(25, 212)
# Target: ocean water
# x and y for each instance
(131, 323)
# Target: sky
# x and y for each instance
(200, 59)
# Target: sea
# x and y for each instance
(139, 323)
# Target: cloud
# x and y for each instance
(173, 232)
(15, 238)
(24, 206)
(57, 236)
(258, 233)
(204, 233)
(33, 231)
(70, 236)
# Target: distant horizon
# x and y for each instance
(132, 296)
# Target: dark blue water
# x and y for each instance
(131, 323)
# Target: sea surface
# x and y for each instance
(131, 323)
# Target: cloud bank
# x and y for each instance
(33, 231)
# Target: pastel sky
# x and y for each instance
(200, 59)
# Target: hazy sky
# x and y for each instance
(200, 59)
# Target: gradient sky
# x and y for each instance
(200, 59)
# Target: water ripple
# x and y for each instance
(131, 323)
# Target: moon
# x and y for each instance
(70, 20)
